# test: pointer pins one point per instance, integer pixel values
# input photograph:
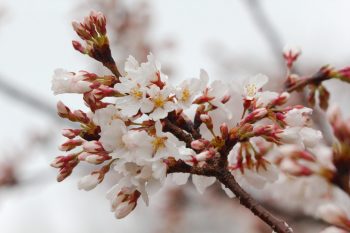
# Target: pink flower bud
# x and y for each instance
(62, 109)
(93, 147)
(207, 120)
(224, 131)
(124, 202)
(81, 116)
(97, 158)
(71, 144)
(77, 46)
(58, 162)
(199, 144)
(71, 133)
(256, 115)
(282, 99)
(345, 73)
(204, 155)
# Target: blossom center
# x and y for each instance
(185, 95)
(135, 92)
(159, 101)
(251, 90)
(158, 143)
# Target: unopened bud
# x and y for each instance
(199, 144)
(62, 109)
(207, 120)
(71, 133)
(124, 202)
(254, 116)
(224, 131)
(79, 47)
(70, 144)
(90, 181)
(292, 167)
(204, 155)
(93, 146)
(81, 116)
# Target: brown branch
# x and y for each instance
(185, 123)
(114, 69)
(226, 178)
(177, 131)
(246, 200)
(217, 167)
(316, 79)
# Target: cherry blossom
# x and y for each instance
(253, 86)
(143, 130)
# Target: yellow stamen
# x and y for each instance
(136, 93)
(159, 101)
(251, 90)
(185, 95)
(158, 142)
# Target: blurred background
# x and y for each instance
(232, 40)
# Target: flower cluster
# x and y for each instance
(143, 129)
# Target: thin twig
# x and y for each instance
(25, 97)
(28, 99)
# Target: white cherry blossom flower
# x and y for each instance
(145, 73)
(253, 85)
(124, 143)
(216, 93)
(151, 70)
(166, 144)
(103, 117)
(68, 82)
(265, 98)
(158, 103)
(135, 96)
(189, 88)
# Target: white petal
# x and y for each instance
(147, 106)
(202, 182)
(228, 192)
(180, 178)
